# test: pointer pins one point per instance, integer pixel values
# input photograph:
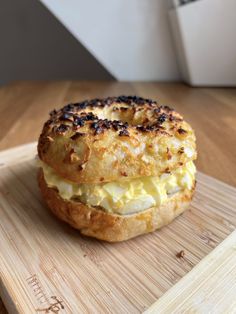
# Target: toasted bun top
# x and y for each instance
(104, 140)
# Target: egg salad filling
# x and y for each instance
(126, 196)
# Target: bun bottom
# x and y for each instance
(94, 222)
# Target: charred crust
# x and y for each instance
(181, 131)
(141, 128)
(166, 108)
(119, 125)
(181, 150)
(48, 123)
(97, 102)
(115, 127)
(77, 115)
(162, 118)
(124, 133)
(81, 105)
(68, 108)
(174, 118)
(53, 112)
(123, 173)
(78, 122)
(167, 170)
(120, 109)
(90, 116)
(151, 128)
(98, 130)
(106, 123)
(101, 124)
(61, 129)
(77, 135)
(94, 125)
(148, 128)
(66, 117)
(134, 99)
(123, 108)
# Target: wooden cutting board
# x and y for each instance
(48, 267)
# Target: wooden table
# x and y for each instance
(24, 106)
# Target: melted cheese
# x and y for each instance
(126, 196)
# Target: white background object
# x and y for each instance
(130, 38)
(205, 36)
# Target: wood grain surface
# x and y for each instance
(208, 288)
(42, 258)
(24, 106)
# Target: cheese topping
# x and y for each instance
(125, 196)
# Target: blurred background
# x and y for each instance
(134, 40)
(54, 52)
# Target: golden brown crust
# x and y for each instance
(130, 136)
(111, 227)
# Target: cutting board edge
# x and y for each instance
(6, 298)
(211, 261)
(17, 154)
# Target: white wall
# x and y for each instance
(130, 38)
(205, 33)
